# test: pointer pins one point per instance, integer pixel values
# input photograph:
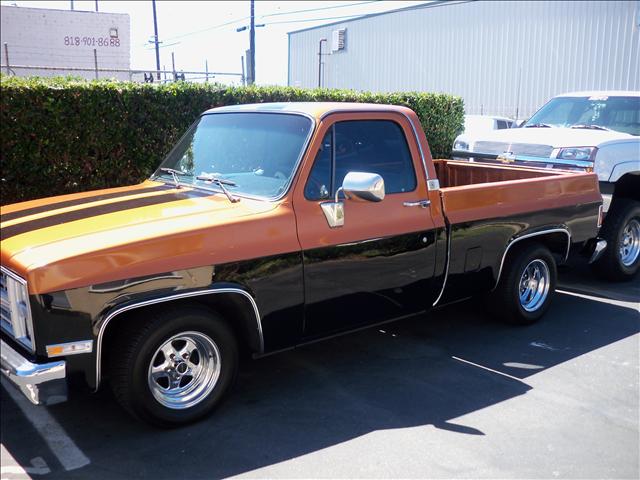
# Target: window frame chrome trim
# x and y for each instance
(413, 128)
(515, 240)
(31, 344)
(169, 298)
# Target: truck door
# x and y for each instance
(379, 264)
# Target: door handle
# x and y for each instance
(419, 203)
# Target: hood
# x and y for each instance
(554, 137)
(82, 239)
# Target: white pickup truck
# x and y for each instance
(597, 131)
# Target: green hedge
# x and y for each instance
(68, 135)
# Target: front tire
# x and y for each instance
(174, 368)
(527, 285)
(621, 229)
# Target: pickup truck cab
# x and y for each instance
(588, 131)
(267, 227)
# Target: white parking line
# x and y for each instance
(10, 466)
(632, 305)
(487, 369)
(65, 450)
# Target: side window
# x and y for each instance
(318, 185)
(374, 146)
(502, 124)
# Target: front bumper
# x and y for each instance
(41, 383)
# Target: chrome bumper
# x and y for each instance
(41, 383)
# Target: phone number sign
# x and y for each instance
(76, 41)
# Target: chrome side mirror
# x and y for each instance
(356, 185)
(363, 185)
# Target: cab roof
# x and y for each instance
(313, 109)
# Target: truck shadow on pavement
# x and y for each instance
(428, 370)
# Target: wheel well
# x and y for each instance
(627, 186)
(235, 310)
(557, 242)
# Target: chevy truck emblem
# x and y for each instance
(507, 157)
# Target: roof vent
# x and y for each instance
(338, 38)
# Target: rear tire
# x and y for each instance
(526, 287)
(621, 259)
(174, 368)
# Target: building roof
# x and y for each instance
(313, 109)
(46, 9)
(602, 93)
(430, 4)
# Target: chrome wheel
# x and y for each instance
(534, 285)
(630, 243)
(184, 370)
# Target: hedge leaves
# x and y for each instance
(66, 135)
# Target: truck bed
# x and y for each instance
(453, 173)
(486, 206)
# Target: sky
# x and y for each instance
(199, 31)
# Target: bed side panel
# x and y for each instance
(484, 219)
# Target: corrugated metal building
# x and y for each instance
(502, 57)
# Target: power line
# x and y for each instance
(312, 19)
(207, 29)
(214, 27)
(318, 9)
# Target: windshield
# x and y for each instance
(255, 152)
(621, 114)
(476, 123)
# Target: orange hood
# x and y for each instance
(94, 237)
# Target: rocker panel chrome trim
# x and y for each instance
(169, 298)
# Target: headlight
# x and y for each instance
(577, 153)
(16, 312)
(460, 145)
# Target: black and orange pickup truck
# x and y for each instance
(266, 227)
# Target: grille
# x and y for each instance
(5, 305)
(15, 314)
(529, 149)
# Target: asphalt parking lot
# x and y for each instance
(451, 394)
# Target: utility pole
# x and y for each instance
(252, 46)
(71, 4)
(97, 6)
(155, 38)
